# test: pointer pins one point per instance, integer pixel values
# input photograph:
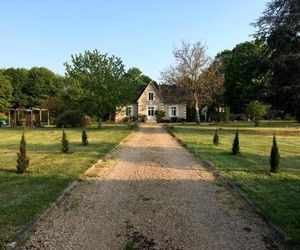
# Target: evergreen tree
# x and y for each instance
(236, 144)
(274, 157)
(84, 138)
(216, 139)
(65, 143)
(23, 159)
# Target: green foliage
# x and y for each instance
(54, 104)
(102, 82)
(69, 118)
(246, 73)
(274, 157)
(84, 138)
(22, 159)
(142, 118)
(65, 145)
(160, 114)
(31, 87)
(225, 116)
(256, 110)
(5, 92)
(279, 26)
(236, 144)
(216, 139)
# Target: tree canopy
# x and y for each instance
(279, 26)
(246, 72)
(102, 80)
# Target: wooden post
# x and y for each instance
(31, 118)
(9, 117)
(48, 121)
(15, 117)
(40, 117)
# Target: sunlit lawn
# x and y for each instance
(50, 171)
(278, 195)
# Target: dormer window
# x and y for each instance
(150, 96)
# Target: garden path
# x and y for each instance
(153, 194)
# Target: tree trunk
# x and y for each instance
(100, 122)
(196, 107)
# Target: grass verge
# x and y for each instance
(277, 195)
(50, 172)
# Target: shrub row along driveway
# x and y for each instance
(153, 195)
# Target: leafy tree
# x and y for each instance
(256, 110)
(279, 26)
(5, 92)
(54, 104)
(246, 74)
(191, 62)
(23, 159)
(274, 157)
(216, 139)
(236, 144)
(19, 78)
(31, 87)
(102, 82)
(84, 138)
(65, 145)
(137, 76)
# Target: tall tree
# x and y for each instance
(102, 80)
(279, 26)
(5, 92)
(190, 63)
(246, 72)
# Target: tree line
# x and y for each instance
(255, 75)
(94, 84)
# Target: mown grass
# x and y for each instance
(22, 197)
(278, 195)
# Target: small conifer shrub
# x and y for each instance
(274, 157)
(236, 144)
(65, 147)
(22, 158)
(84, 138)
(216, 139)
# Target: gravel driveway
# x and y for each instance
(152, 194)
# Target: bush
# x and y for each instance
(84, 138)
(174, 119)
(69, 118)
(160, 114)
(85, 121)
(256, 110)
(225, 116)
(142, 118)
(274, 157)
(23, 159)
(65, 147)
(216, 139)
(236, 144)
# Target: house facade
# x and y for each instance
(148, 100)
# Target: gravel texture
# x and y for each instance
(151, 194)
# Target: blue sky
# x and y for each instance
(142, 32)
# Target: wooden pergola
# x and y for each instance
(17, 113)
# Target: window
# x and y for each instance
(150, 111)
(173, 111)
(129, 111)
(150, 96)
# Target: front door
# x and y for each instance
(150, 114)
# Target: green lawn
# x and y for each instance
(22, 197)
(278, 195)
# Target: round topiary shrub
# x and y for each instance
(85, 121)
(69, 118)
